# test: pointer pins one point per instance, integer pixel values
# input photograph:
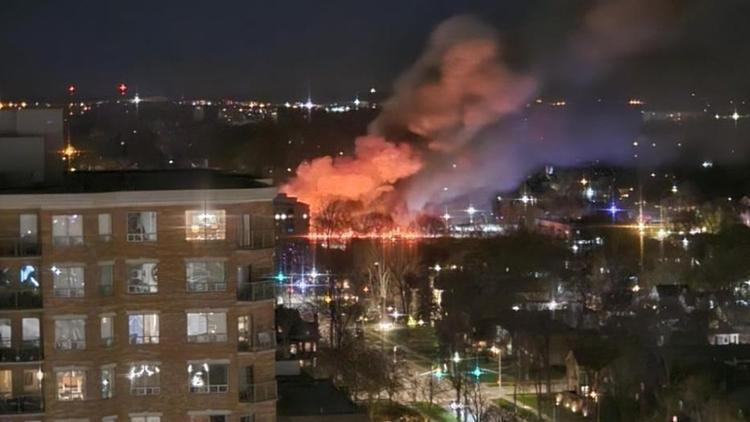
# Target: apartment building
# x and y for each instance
(138, 296)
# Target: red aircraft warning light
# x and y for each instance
(71, 89)
(122, 88)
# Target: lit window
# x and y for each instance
(32, 381)
(70, 334)
(143, 278)
(206, 327)
(6, 383)
(144, 379)
(5, 333)
(142, 226)
(208, 377)
(243, 330)
(105, 227)
(68, 281)
(106, 279)
(205, 225)
(143, 328)
(107, 382)
(205, 276)
(28, 276)
(71, 385)
(30, 333)
(107, 330)
(208, 418)
(145, 419)
(67, 230)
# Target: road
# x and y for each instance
(420, 366)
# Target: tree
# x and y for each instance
(366, 373)
(403, 264)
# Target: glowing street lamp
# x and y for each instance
(471, 211)
(613, 210)
(477, 372)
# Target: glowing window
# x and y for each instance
(70, 334)
(143, 278)
(205, 225)
(68, 281)
(142, 226)
(5, 333)
(205, 276)
(208, 377)
(145, 379)
(143, 328)
(206, 327)
(71, 385)
(6, 383)
(32, 381)
(67, 230)
(28, 276)
(107, 382)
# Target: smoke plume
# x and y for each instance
(468, 110)
(459, 85)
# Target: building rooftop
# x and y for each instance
(144, 180)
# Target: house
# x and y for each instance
(587, 368)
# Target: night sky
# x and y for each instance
(275, 50)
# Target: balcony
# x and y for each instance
(70, 344)
(138, 339)
(141, 237)
(262, 340)
(144, 391)
(20, 298)
(143, 289)
(68, 291)
(207, 389)
(208, 338)
(257, 291)
(204, 287)
(255, 393)
(29, 351)
(259, 239)
(19, 247)
(21, 404)
(67, 240)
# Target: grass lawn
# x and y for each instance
(421, 340)
(530, 400)
(384, 410)
(434, 412)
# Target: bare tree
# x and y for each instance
(477, 404)
(403, 263)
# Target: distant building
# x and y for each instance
(30, 141)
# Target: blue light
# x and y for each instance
(280, 277)
(613, 210)
(477, 372)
